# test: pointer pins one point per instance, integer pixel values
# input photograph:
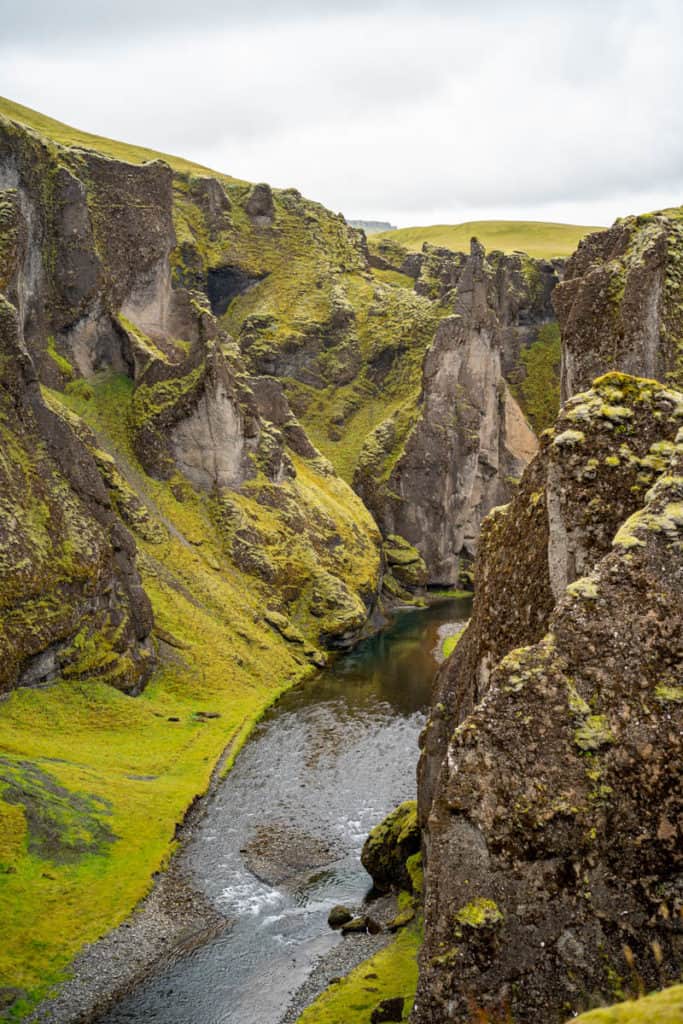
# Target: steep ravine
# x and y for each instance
(279, 842)
(234, 438)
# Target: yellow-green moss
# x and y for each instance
(593, 733)
(416, 872)
(390, 973)
(479, 913)
(569, 439)
(669, 694)
(13, 833)
(539, 391)
(664, 1007)
(451, 642)
(584, 587)
(62, 364)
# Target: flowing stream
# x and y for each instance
(281, 839)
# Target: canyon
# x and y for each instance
(238, 436)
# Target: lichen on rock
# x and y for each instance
(550, 772)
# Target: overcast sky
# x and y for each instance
(418, 113)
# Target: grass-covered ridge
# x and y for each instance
(540, 239)
(65, 135)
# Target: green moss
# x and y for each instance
(450, 643)
(479, 913)
(13, 835)
(62, 364)
(584, 587)
(664, 1007)
(539, 391)
(593, 733)
(405, 562)
(394, 277)
(569, 439)
(416, 873)
(390, 973)
(669, 694)
(616, 413)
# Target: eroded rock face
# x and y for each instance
(550, 779)
(619, 305)
(72, 602)
(100, 288)
(434, 474)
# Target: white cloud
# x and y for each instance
(521, 110)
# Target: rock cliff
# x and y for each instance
(620, 305)
(550, 783)
(432, 470)
(99, 286)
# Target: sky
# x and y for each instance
(438, 111)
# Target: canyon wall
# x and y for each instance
(550, 776)
(620, 305)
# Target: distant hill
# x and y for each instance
(537, 238)
(372, 227)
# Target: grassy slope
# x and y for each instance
(65, 135)
(93, 740)
(537, 238)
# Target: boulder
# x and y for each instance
(339, 916)
(390, 845)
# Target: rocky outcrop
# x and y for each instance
(550, 782)
(620, 305)
(104, 281)
(431, 472)
(390, 846)
(72, 602)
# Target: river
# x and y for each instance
(280, 842)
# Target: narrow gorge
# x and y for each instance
(249, 451)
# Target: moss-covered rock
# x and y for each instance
(550, 774)
(390, 845)
(442, 459)
(620, 305)
(405, 562)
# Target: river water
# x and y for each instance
(281, 839)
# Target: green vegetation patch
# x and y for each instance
(389, 974)
(538, 392)
(480, 913)
(664, 1007)
(94, 782)
(62, 825)
(451, 642)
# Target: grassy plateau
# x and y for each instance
(539, 239)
